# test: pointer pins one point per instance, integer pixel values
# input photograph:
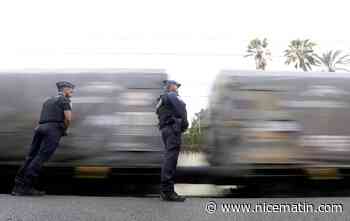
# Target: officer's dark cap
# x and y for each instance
(62, 84)
(169, 82)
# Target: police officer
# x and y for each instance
(172, 115)
(54, 121)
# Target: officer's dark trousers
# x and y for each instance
(45, 142)
(172, 143)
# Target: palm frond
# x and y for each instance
(301, 54)
(258, 49)
(332, 58)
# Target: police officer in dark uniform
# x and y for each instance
(172, 115)
(54, 121)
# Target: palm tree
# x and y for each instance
(301, 54)
(331, 59)
(258, 49)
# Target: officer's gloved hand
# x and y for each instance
(65, 133)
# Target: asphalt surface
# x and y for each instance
(85, 208)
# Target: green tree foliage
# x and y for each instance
(193, 137)
(258, 49)
(333, 59)
(300, 53)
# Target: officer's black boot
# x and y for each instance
(22, 188)
(16, 190)
(26, 191)
(34, 192)
(172, 196)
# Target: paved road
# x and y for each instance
(75, 208)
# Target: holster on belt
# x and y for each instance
(177, 125)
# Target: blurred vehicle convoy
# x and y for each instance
(280, 120)
(113, 112)
(256, 120)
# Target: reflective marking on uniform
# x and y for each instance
(94, 172)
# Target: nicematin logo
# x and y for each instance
(212, 207)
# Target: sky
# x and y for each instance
(193, 40)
